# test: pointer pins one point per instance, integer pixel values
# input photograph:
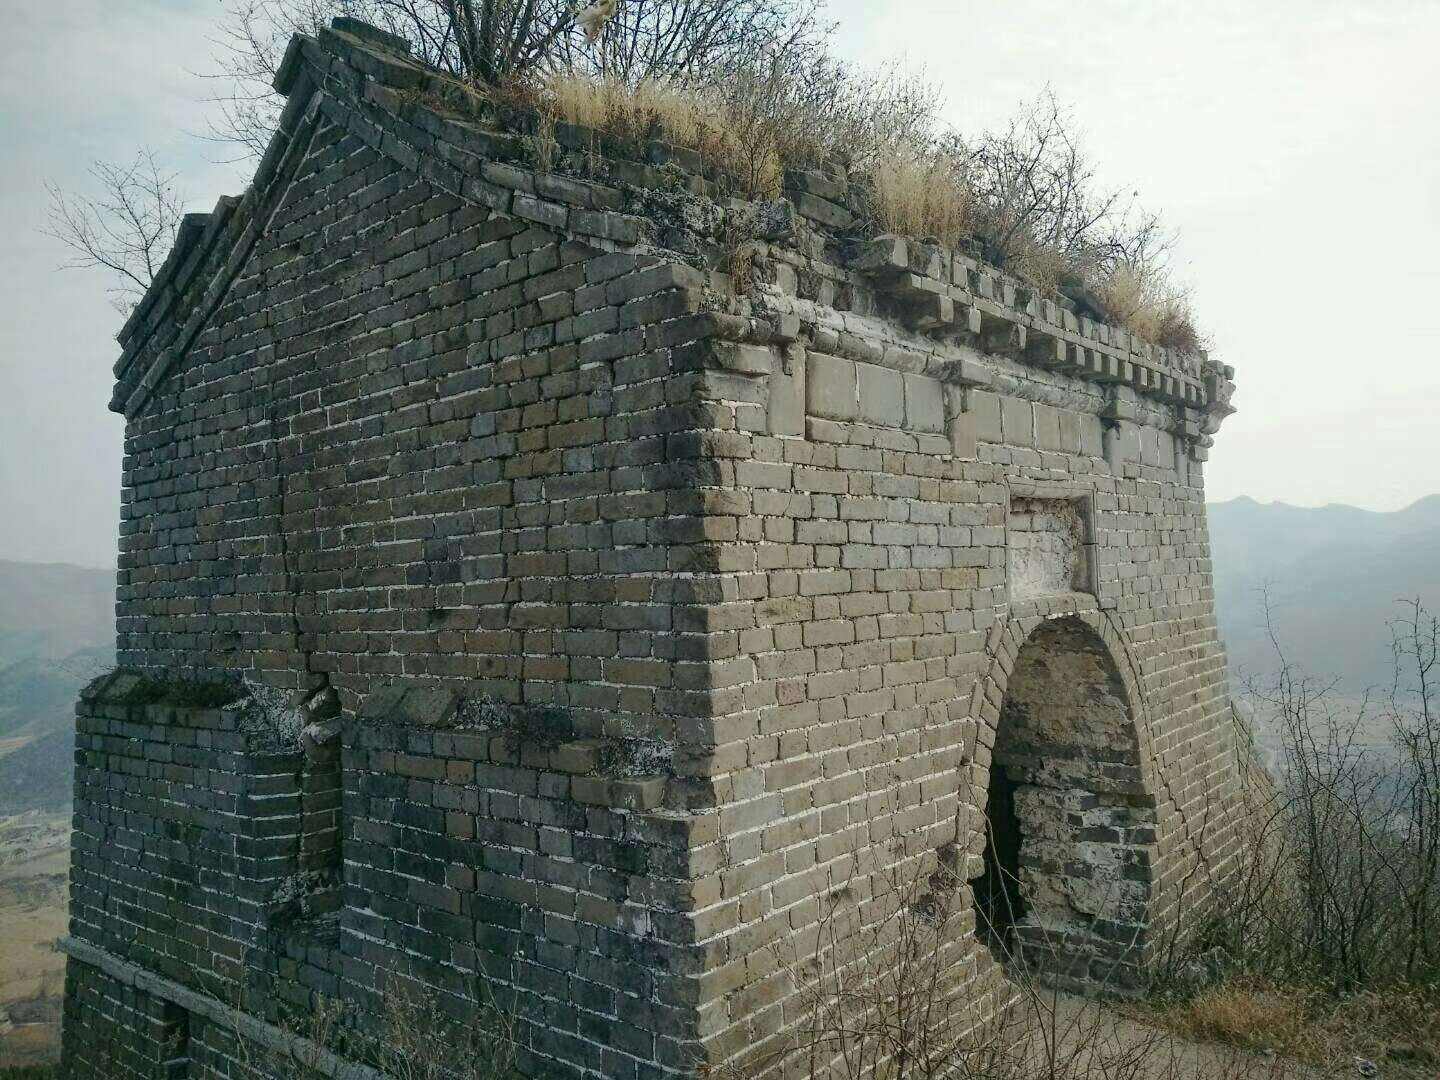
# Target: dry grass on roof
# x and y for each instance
(694, 118)
(922, 195)
(1145, 302)
(917, 182)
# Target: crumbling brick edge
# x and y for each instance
(245, 1026)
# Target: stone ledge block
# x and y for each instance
(830, 387)
(883, 254)
(640, 793)
(881, 396)
(821, 210)
(743, 359)
(931, 311)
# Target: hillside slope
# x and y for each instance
(50, 610)
(39, 775)
(57, 632)
(1335, 575)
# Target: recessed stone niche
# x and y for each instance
(1048, 549)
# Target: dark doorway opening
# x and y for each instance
(1065, 876)
(998, 902)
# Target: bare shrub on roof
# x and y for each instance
(1026, 194)
(1040, 212)
(691, 39)
(1036, 189)
(816, 110)
(487, 43)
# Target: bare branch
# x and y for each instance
(495, 42)
(126, 229)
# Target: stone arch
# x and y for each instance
(1071, 813)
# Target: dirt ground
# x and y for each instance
(34, 862)
(1078, 1038)
(1089, 1039)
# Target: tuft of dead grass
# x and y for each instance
(1142, 299)
(693, 118)
(1243, 1013)
(922, 196)
(1399, 1024)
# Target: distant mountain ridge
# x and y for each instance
(51, 610)
(57, 631)
(1335, 575)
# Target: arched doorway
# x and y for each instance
(1070, 826)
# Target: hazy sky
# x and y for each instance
(1294, 144)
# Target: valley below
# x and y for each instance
(34, 864)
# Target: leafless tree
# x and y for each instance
(1415, 733)
(693, 40)
(127, 228)
(1341, 885)
(494, 42)
(1038, 200)
(249, 43)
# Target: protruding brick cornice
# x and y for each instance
(366, 81)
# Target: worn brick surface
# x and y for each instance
(415, 423)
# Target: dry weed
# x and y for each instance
(1024, 194)
(695, 119)
(1143, 300)
(410, 1039)
(420, 1043)
(1400, 1025)
(922, 196)
(1243, 1013)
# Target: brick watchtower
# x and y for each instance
(570, 624)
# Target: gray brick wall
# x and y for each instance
(415, 423)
